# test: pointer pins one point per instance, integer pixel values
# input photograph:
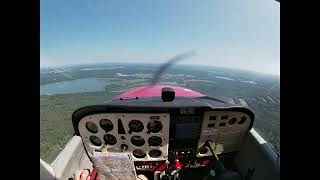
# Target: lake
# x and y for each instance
(74, 86)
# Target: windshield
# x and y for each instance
(94, 50)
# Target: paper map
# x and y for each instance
(114, 166)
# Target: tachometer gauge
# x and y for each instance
(137, 140)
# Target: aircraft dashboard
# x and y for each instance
(154, 134)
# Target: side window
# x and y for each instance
(267, 120)
(55, 125)
(61, 93)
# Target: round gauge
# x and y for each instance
(138, 153)
(95, 141)
(137, 140)
(154, 153)
(242, 120)
(136, 126)
(203, 150)
(154, 141)
(232, 121)
(110, 139)
(92, 127)
(154, 126)
(106, 124)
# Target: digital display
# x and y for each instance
(187, 131)
(187, 127)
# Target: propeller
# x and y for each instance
(170, 62)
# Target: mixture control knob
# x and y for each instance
(177, 165)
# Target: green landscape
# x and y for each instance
(65, 89)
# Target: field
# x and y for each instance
(261, 92)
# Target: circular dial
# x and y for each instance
(203, 150)
(137, 140)
(242, 120)
(110, 139)
(154, 126)
(106, 124)
(136, 126)
(154, 153)
(92, 127)
(95, 141)
(232, 121)
(154, 141)
(138, 153)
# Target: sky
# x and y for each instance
(241, 34)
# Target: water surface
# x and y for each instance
(75, 86)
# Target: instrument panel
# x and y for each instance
(226, 129)
(146, 135)
(179, 134)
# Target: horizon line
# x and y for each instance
(156, 63)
